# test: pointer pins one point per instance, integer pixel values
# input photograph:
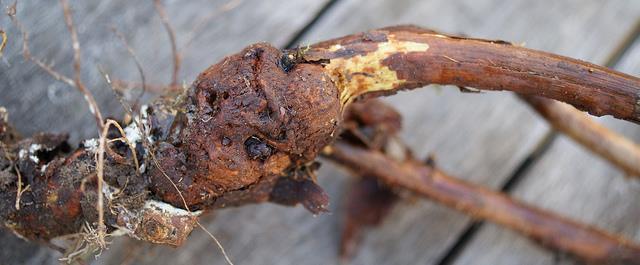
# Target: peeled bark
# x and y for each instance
(249, 128)
(387, 60)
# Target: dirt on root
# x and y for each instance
(247, 117)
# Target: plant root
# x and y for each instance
(584, 242)
(250, 127)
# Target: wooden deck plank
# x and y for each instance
(457, 127)
(572, 181)
(479, 137)
(38, 103)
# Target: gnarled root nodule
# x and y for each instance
(249, 128)
(247, 131)
(245, 119)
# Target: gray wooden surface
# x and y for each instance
(480, 137)
(571, 181)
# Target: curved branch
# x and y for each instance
(384, 61)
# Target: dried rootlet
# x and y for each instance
(250, 127)
(246, 127)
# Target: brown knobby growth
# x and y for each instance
(250, 127)
(245, 118)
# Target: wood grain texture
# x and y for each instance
(572, 181)
(420, 57)
(481, 137)
(550, 229)
(37, 103)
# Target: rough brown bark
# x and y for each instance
(611, 146)
(390, 59)
(587, 243)
(249, 128)
(243, 119)
(224, 142)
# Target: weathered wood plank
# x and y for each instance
(479, 137)
(572, 181)
(416, 233)
(38, 103)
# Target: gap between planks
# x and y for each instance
(294, 41)
(519, 173)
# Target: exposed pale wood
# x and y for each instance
(480, 137)
(38, 103)
(574, 182)
(458, 128)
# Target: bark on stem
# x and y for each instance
(611, 146)
(387, 60)
(587, 243)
